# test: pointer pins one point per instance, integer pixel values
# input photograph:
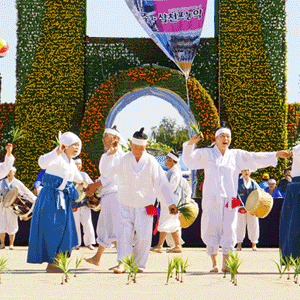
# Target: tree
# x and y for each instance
(169, 133)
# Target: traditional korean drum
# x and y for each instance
(193, 208)
(259, 203)
(21, 205)
(90, 201)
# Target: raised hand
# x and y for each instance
(196, 138)
(61, 148)
(9, 148)
(113, 147)
(283, 154)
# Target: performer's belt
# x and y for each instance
(153, 211)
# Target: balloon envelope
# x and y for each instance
(175, 26)
(3, 48)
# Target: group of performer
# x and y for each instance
(128, 186)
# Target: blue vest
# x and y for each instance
(243, 191)
(5, 188)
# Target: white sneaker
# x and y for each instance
(11, 247)
(2, 246)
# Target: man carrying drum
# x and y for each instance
(8, 219)
(83, 215)
(245, 186)
(170, 224)
(222, 167)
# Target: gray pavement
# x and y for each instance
(258, 278)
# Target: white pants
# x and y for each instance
(83, 215)
(218, 225)
(134, 220)
(108, 220)
(252, 227)
(8, 221)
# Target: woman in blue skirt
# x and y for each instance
(52, 225)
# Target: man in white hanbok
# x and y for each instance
(107, 225)
(245, 186)
(170, 224)
(8, 219)
(222, 167)
(5, 168)
(141, 180)
(83, 215)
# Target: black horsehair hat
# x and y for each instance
(140, 134)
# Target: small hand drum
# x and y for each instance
(81, 190)
(90, 201)
(21, 205)
(259, 203)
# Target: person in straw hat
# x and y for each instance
(245, 186)
(222, 167)
(264, 183)
(141, 180)
(83, 215)
(170, 224)
(8, 219)
(107, 225)
(52, 229)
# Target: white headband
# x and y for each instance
(175, 158)
(223, 130)
(78, 161)
(112, 131)
(139, 142)
(69, 138)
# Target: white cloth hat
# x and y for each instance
(13, 169)
(69, 138)
(272, 181)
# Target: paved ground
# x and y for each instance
(258, 279)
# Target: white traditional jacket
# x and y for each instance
(222, 171)
(140, 183)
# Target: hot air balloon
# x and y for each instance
(175, 26)
(3, 48)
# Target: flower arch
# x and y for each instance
(127, 81)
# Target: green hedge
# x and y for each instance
(53, 99)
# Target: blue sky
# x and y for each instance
(112, 18)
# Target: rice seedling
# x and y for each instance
(62, 262)
(289, 262)
(17, 134)
(177, 261)
(3, 266)
(184, 210)
(296, 265)
(233, 263)
(281, 265)
(196, 127)
(171, 267)
(183, 267)
(132, 267)
(77, 264)
(56, 141)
